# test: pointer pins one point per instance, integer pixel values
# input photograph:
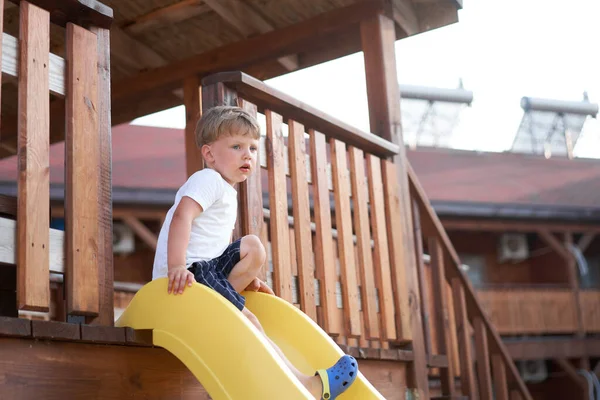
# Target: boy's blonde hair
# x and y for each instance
(225, 121)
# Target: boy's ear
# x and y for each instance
(207, 153)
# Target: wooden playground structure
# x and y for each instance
(355, 203)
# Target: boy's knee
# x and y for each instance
(251, 245)
(252, 319)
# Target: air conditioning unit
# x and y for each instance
(512, 247)
(123, 239)
(533, 371)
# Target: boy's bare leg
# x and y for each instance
(312, 383)
(252, 258)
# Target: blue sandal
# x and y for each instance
(338, 378)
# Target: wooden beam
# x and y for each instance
(247, 21)
(169, 15)
(406, 17)
(547, 348)
(193, 109)
(378, 36)
(142, 231)
(585, 241)
(571, 372)
(80, 12)
(514, 226)
(551, 240)
(274, 44)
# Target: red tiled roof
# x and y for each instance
(154, 158)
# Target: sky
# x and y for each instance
(501, 50)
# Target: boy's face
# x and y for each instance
(234, 157)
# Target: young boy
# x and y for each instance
(194, 242)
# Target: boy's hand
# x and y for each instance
(259, 286)
(178, 278)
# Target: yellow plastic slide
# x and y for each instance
(226, 353)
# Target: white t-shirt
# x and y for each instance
(211, 230)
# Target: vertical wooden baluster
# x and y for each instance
(81, 159)
(467, 376)
(500, 384)
(441, 314)
(394, 233)
(363, 236)
(381, 252)
(282, 276)
(301, 211)
(324, 255)
(250, 197)
(482, 355)
(105, 220)
(33, 219)
(192, 100)
(421, 278)
(343, 220)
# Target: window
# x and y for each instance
(474, 267)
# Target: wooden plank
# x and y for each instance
(81, 12)
(515, 226)
(33, 218)
(467, 375)
(9, 239)
(324, 256)
(482, 355)
(246, 20)
(343, 222)
(288, 40)
(547, 348)
(102, 334)
(500, 384)
(378, 37)
(363, 238)
(14, 326)
(282, 280)
(394, 234)
(301, 211)
(169, 15)
(55, 330)
(139, 337)
(381, 255)
(266, 97)
(193, 108)
(421, 281)
(250, 196)
(81, 176)
(441, 314)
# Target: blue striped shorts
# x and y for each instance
(213, 273)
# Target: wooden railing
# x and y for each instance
(345, 247)
(79, 84)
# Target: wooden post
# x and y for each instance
(81, 176)
(33, 219)
(105, 221)
(193, 108)
(378, 36)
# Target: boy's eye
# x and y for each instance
(236, 146)
(254, 148)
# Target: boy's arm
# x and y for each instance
(177, 242)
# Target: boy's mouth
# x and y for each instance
(245, 168)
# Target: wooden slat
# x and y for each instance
(81, 12)
(14, 326)
(142, 231)
(169, 15)
(363, 238)
(381, 255)
(282, 280)
(394, 234)
(250, 197)
(55, 330)
(81, 162)
(441, 314)
(421, 282)
(33, 218)
(324, 256)
(482, 355)
(301, 211)
(9, 240)
(105, 218)
(467, 376)
(343, 219)
(500, 384)
(193, 107)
